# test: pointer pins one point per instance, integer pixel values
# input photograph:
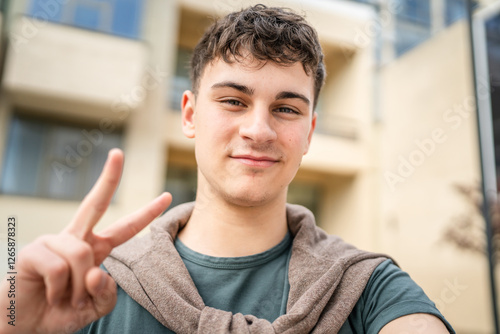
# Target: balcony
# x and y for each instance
(74, 72)
(338, 126)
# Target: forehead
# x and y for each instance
(259, 76)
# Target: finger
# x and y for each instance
(54, 269)
(102, 289)
(127, 227)
(80, 258)
(97, 200)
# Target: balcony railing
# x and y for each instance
(337, 126)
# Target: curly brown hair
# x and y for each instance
(267, 33)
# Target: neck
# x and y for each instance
(225, 230)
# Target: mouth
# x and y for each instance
(255, 161)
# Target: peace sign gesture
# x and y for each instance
(60, 287)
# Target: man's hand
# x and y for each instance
(60, 287)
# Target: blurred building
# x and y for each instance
(396, 128)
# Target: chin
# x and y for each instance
(250, 197)
(247, 202)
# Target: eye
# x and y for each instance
(235, 103)
(286, 110)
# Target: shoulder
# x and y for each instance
(315, 242)
(391, 294)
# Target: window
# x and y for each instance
(53, 160)
(363, 1)
(306, 194)
(181, 183)
(3, 6)
(416, 11)
(409, 36)
(457, 10)
(181, 81)
(493, 50)
(118, 17)
(413, 24)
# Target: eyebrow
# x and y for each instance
(249, 91)
(292, 95)
(242, 88)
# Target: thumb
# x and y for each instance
(102, 289)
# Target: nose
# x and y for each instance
(257, 126)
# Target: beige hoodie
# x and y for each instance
(327, 276)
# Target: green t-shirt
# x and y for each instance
(255, 284)
(258, 285)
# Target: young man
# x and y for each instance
(238, 259)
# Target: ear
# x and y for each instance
(311, 131)
(187, 107)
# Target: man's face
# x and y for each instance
(252, 124)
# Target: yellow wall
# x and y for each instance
(429, 121)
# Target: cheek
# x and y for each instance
(213, 132)
(209, 124)
(295, 142)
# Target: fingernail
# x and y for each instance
(102, 283)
